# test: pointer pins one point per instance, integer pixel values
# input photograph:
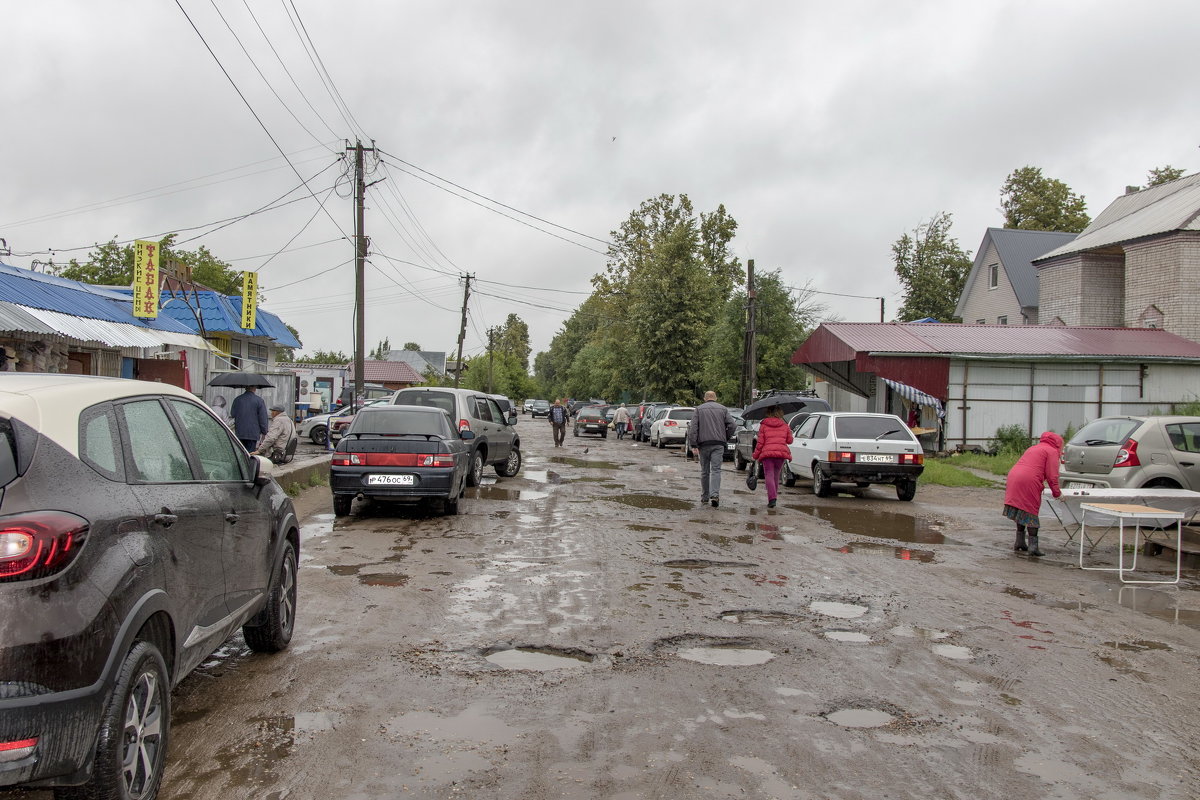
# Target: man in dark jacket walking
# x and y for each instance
(249, 415)
(710, 429)
(558, 417)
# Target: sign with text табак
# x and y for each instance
(145, 279)
(249, 298)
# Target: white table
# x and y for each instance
(1137, 514)
(1066, 508)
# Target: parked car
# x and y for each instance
(591, 419)
(856, 448)
(747, 432)
(527, 406)
(496, 441)
(539, 408)
(652, 411)
(731, 442)
(340, 422)
(136, 535)
(507, 407)
(402, 453)
(1134, 453)
(636, 414)
(671, 427)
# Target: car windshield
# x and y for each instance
(879, 428)
(1106, 432)
(394, 422)
(442, 400)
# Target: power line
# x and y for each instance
(310, 277)
(304, 227)
(319, 65)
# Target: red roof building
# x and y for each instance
(392, 374)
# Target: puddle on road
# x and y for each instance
(662, 468)
(879, 524)
(725, 541)
(496, 493)
(954, 651)
(473, 724)
(538, 659)
(881, 549)
(583, 463)
(860, 718)
(382, 579)
(701, 563)
(650, 501)
(726, 656)
(1048, 602)
(909, 631)
(644, 528)
(852, 637)
(343, 569)
(838, 610)
(759, 617)
(760, 526)
(543, 476)
(1139, 646)
(1154, 603)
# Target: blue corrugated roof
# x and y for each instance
(223, 314)
(51, 293)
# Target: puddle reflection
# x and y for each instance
(879, 524)
(878, 548)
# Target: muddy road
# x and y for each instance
(587, 630)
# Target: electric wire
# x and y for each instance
(411, 291)
(291, 250)
(326, 80)
(314, 275)
(303, 228)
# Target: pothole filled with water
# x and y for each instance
(909, 631)
(839, 610)
(954, 651)
(851, 637)
(496, 493)
(702, 563)
(543, 476)
(643, 528)
(583, 463)
(650, 501)
(885, 550)
(382, 579)
(759, 617)
(1138, 646)
(1049, 602)
(726, 656)
(879, 524)
(537, 659)
(860, 718)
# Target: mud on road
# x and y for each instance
(587, 629)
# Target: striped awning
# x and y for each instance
(916, 396)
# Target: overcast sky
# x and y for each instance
(826, 129)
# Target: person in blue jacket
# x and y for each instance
(249, 415)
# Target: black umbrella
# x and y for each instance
(759, 408)
(240, 380)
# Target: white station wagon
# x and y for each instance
(857, 448)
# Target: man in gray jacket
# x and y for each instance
(707, 434)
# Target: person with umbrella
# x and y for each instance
(248, 413)
(774, 436)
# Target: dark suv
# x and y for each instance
(496, 441)
(136, 535)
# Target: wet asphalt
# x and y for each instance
(588, 629)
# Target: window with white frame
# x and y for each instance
(993, 276)
(1001, 320)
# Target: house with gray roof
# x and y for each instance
(1002, 287)
(1136, 266)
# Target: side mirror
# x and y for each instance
(263, 469)
(466, 435)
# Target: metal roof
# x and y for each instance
(221, 314)
(1016, 250)
(1165, 208)
(388, 372)
(113, 334)
(843, 341)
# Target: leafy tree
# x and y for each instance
(381, 350)
(932, 269)
(513, 340)
(1033, 202)
(325, 357)
(411, 346)
(111, 264)
(1163, 175)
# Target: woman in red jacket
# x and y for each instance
(774, 436)
(1023, 494)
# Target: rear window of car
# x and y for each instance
(393, 422)
(442, 400)
(681, 413)
(591, 413)
(8, 453)
(879, 428)
(1106, 432)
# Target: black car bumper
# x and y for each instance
(592, 427)
(426, 482)
(872, 473)
(64, 724)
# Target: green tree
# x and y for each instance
(325, 357)
(411, 346)
(932, 269)
(1163, 175)
(381, 350)
(513, 340)
(1033, 202)
(111, 264)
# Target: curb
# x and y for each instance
(299, 475)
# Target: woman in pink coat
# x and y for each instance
(774, 436)
(1023, 494)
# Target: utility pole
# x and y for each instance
(881, 309)
(360, 267)
(491, 355)
(749, 346)
(462, 332)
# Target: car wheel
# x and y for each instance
(739, 463)
(789, 477)
(822, 486)
(604, 436)
(475, 473)
(1162, 483)
(131, 751)
(278, 618)
(906, 490)
(512, 464)
(341, 504)
(319, 435)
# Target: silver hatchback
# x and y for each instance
(1134, 453)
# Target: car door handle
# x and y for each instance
(232, 517)
(166, 518)
(1186, 464)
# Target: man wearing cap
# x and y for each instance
(280, 432)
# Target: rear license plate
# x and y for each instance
(876, 458)
(1078, 485)
(390, 480)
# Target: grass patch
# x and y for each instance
(997, 465)
(941, 472)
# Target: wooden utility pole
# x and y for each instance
(749, 345)
(491, 355)
(462, 332)
(360, 267)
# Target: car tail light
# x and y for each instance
(913, 459)
(39, 543)
(1127, 456)
(670, 423)
(15, 751)
(392, 460)
(841, 456)
(348, 460)
(443, 460)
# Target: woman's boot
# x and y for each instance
(1033, 543)
(1019, 544)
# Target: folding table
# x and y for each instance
(1066, 508)
(1137, 514)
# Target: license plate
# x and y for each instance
(1078, 485)
(390, 480)
(876, 458)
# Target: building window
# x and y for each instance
(981, 322)
(993, 276)
(256, 352)
(1001, 320)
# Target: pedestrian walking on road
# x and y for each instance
(774, 436)
(558, 421)
(1023, 492)
(621, 421)
(249, 415)
(710, 429)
